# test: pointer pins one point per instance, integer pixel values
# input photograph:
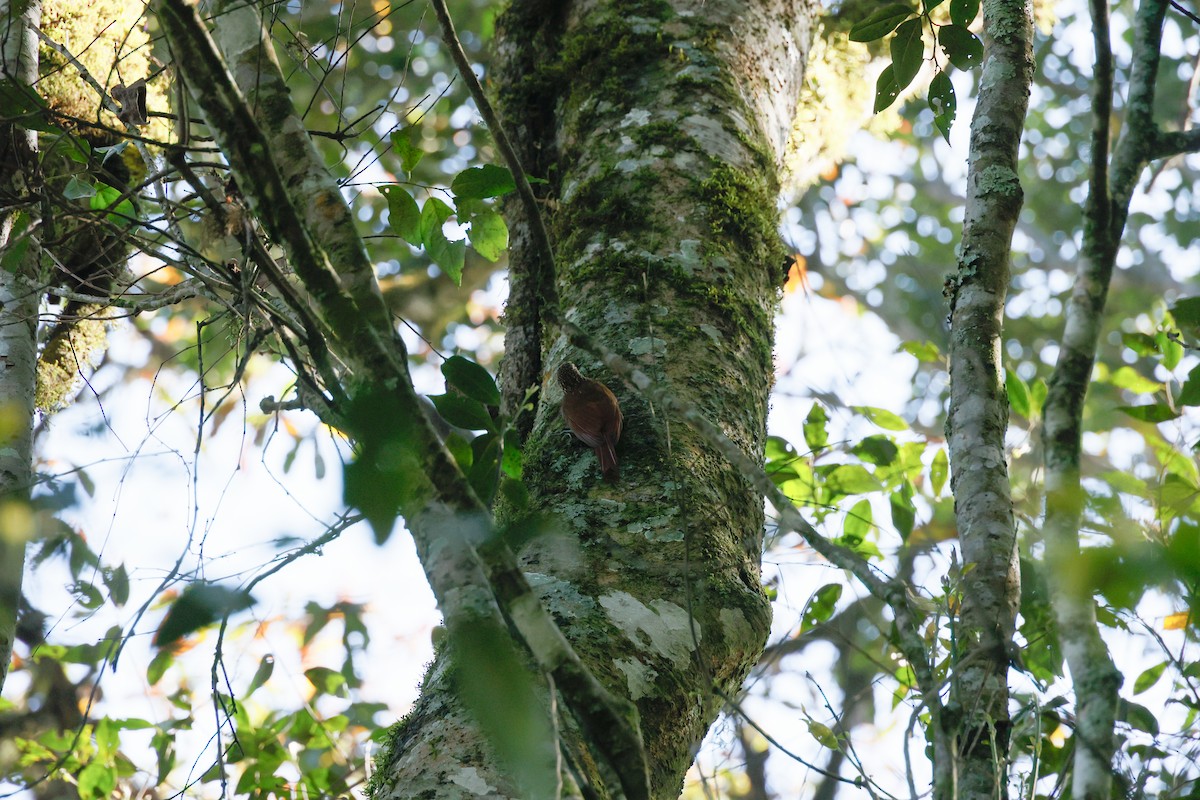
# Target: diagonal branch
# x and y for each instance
(443, 520)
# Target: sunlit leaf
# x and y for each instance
(1148, 677)
(1132, 380)
(880, 23)
(815, 435)
(858, 520)
(482, 182)
(403, 214)
(326, 680)
(885, 419)
(926, 351)
(1176, 622)
(939, 470)
(489, 234)
(823, 734)
(404, 146)
(1018, 393)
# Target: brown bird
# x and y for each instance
(594, 416)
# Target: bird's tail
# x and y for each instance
(607, 454)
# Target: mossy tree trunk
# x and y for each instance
(660, 127)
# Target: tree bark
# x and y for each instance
(971, 745)
(661, 127)
(18, 317)
(1095, 678)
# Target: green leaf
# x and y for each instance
(434, 214)
(823, 734)
(446, 254)
(464, 412)
(881, 23)
(1141, 343)
(404, 216)
(326, 680)
(904, 513)
(943, 103)
(908, 52)
(1018, 393)
(266, 666)
(848, 479)
(489, 234)
(1189, 395)
(821, 606)
(485, 470)
(1186, 311)
(962, 47)
(886, 90)
(403, 146)
(858, 520)
(18, 244)
(1172, 350)
(96, 781)
(1155, 412)
(963, 12)
(106, 198)
(481, 182)
(930, 5)
(1037, 395)
(512, 460)
(117, 581)
(926, 352)
(815, 435)
(497, 687)
(18, 99)
(1149, 677)
(200, 605)
(878, 450)
(77, 189)
(885, 419)
(1132, 380)
(1138, 716)
(939, 470)
(471, 379)
(158, 666)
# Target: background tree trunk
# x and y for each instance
(18, 333)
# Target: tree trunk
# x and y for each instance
(661, 129)
(18, 318)
(971, 743)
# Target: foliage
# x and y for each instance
(872, 474)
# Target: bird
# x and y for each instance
(593, 414)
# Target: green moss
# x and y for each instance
(667, 134)
(597, 61)
(743, 207)
(75, 344)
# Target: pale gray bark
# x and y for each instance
(1094, 677)
(970, 750)
(18, 320)
(659, 132)
(256, 128)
